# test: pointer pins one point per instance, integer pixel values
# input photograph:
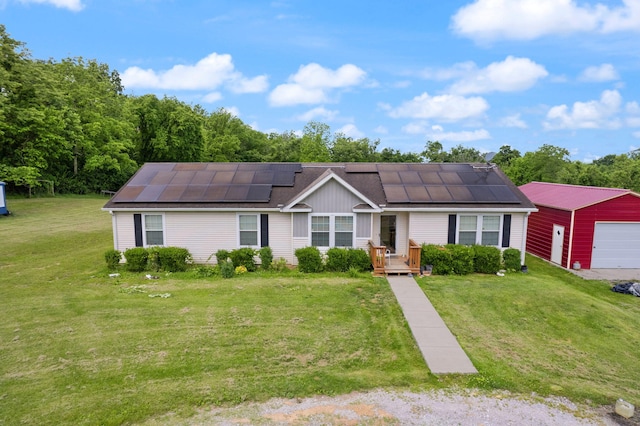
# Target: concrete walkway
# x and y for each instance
(439, 347)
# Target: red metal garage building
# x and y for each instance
(590, 226)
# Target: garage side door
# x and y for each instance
(616, 245)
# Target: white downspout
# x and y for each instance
(114, 225)
(525, 224)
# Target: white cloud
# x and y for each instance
(212, 97)
(633, 114)
(233, 111)
(416, 127)
(444, 107)
(382, 130)
(604, 72)
(438, 133)
(511, 75)
(593, 114)
(319, 113)
(530, 19)
(313, 84)
(257, 84)
(636, 135)
(458, 70)
(351, 131)
(210, 72)
(74, 5)
(513, 121)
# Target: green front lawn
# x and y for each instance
(547, 331)
(78, 347)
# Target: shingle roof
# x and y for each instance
(568, 197)
(271, 185)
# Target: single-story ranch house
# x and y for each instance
(384, 208)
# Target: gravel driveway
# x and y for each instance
(382, 407)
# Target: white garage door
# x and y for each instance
(616, 245)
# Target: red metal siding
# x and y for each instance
(622, 209)
(540, 231)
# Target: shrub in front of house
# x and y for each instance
(112, 257)
(227, 269)
(486, 259)
(337, 260)
(244, 257)
(222, 255)
(439, 257)
(359, 259)
(137, 259)
(173, 259)
(511, 259)
(309, 259)
(461, 258)
(266, 258)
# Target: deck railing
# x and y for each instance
(377, 254)
(414, 256)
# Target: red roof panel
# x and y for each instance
(568, 197)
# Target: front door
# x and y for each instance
(388, 232)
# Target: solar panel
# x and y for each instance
(390, 178)
(504, 194)
(237, 193)
(222, 166)
(162, 178)
(410, 177)
(396, 194)
(482, 193)
(242, 167)
(460, 194)
(223, 177)
(203, 177)
(215, 193)
(259, 193)
(263, 177)
(439, 194)
(283, 178)
(417, 194)
(430, 178)
(129, 193)
(150, 193)
(144, 176)
(183, 178)
(450, 178)
(361, 168)
(171, 193)
(392, 167)
(193, 193)
(243, 177)
(190, 166)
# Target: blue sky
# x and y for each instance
(480, 73)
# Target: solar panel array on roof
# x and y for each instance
(207, 182)
(442, 183)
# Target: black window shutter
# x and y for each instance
(452, 229)
(137, 226)
(264, 230)
(506, 230)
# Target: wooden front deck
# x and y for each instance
(387, 264)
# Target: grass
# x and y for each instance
(547, 331)
(78, 347)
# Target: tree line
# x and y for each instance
(69, 123)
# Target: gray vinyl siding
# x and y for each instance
(300, 225)
(363, 225)
(332, 198)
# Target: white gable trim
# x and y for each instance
(327, 176)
